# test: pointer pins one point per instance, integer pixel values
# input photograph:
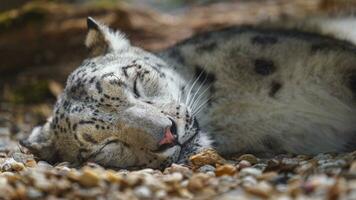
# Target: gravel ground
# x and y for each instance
(208, 176)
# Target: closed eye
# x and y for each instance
(135, 90)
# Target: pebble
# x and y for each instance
(249, 181)
(262, 189)
(268, 176)
(143, 192)
(30, 163)
(44, 165)
(206, 157)
(12, 165)
(250, 171)
(244, 164)
(283, 177)
(198, 182)
(174, 177)
(185, 171)
(206, 168)
(226, 169)
(33, 193)
(112, 176)
(17, 166)
(89, 178)
(248, 157)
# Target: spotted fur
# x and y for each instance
(250, 89)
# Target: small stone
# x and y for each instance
(250, 171)
(260, 166)
(226, 169)
(11, 164)
(268, 176)
(206, 168)
(206, 157)
(6, 166)
(174, 177)
(244, 164)
(11, 177)
(197, 182)
(21, 192)
(89, 178)
(185, 171)
(33, 193)
(17, 166)
(273, 164)
(143, 192)
(73, 175)
(248, 157)
(4, 132)
(30, 163)
(303, 157)
(112, 176)
(249, 181)
(262, 189)
(44, 165)
(161, 194)
(184, 193)
(353, 167)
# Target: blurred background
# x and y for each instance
(41, 41)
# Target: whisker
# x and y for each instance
(191, 88)
(196, 102)
(195, 112)
(196, 92)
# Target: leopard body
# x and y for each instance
(240, 89)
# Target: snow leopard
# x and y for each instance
(242, 89)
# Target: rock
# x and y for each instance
(206, 168)
(268, 176)
(250, 172)
(4, 132)
(260, 166)
(12, 165)
(143, 192)
(30, 163)
(273, 164)
(174, 177)
(249, 181)
(17, 166)
(244, 164)
(161, 194)
(44, 165)
(33, 193)
(197, 182)
(262, 189)
(353, 167)
(112, 176)
(248, 157)
(185, 171)
(206, 157)
(89, 178)
(226, 169)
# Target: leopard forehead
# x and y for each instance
(124, 70)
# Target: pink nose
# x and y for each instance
(168, 137)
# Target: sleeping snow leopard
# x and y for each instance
(239, 89)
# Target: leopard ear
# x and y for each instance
(101, 40)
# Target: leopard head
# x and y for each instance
(121, 108)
